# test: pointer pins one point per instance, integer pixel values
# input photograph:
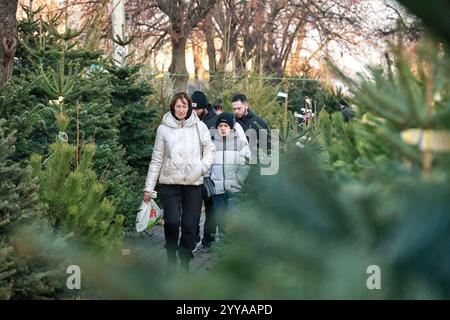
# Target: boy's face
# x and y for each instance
(224, 129)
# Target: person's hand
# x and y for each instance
(147, 197)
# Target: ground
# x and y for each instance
(141, 242)
(150, 245)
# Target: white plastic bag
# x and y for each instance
(149, 214)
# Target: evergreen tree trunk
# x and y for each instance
(8, 38)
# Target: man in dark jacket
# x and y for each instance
(346, 113)
(206, 113)
(204, 110)
(248, 119)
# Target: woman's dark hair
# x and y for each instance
(181, 95)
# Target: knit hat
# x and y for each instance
(199, 100)
(226, 117)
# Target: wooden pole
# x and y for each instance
(286, 89)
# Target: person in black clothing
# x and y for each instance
(248, 119)
(206, 113)
(204, 110)
(346, 113)
(218, 105)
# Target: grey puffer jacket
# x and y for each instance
(176, 157)
(230, 168)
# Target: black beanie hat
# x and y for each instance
(199, 100)
(226, 117)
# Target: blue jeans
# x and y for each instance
(222, 204)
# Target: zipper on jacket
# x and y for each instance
(223, 162)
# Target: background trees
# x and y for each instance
(233, 36)
(8, 38)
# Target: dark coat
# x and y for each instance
(252, 121)
(210, 118)
(346, 114)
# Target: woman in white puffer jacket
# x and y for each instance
(182, 154)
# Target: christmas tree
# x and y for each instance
(109, 103)
(78, 208)
(137, 124)
(23, 274)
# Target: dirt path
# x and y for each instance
(154, 239)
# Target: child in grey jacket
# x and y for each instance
(229, 171)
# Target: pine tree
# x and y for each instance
(77, 205)
(41, 51)
(137, 124)
(53, 65)
(400, 104)
(311, 88)
(22, 275)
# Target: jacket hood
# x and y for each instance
(170, 121)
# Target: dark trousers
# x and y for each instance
(182, 206)
(221, 206)
(209, 229)
(208, 221)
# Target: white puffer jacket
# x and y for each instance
(230, 169)
(176, 157)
